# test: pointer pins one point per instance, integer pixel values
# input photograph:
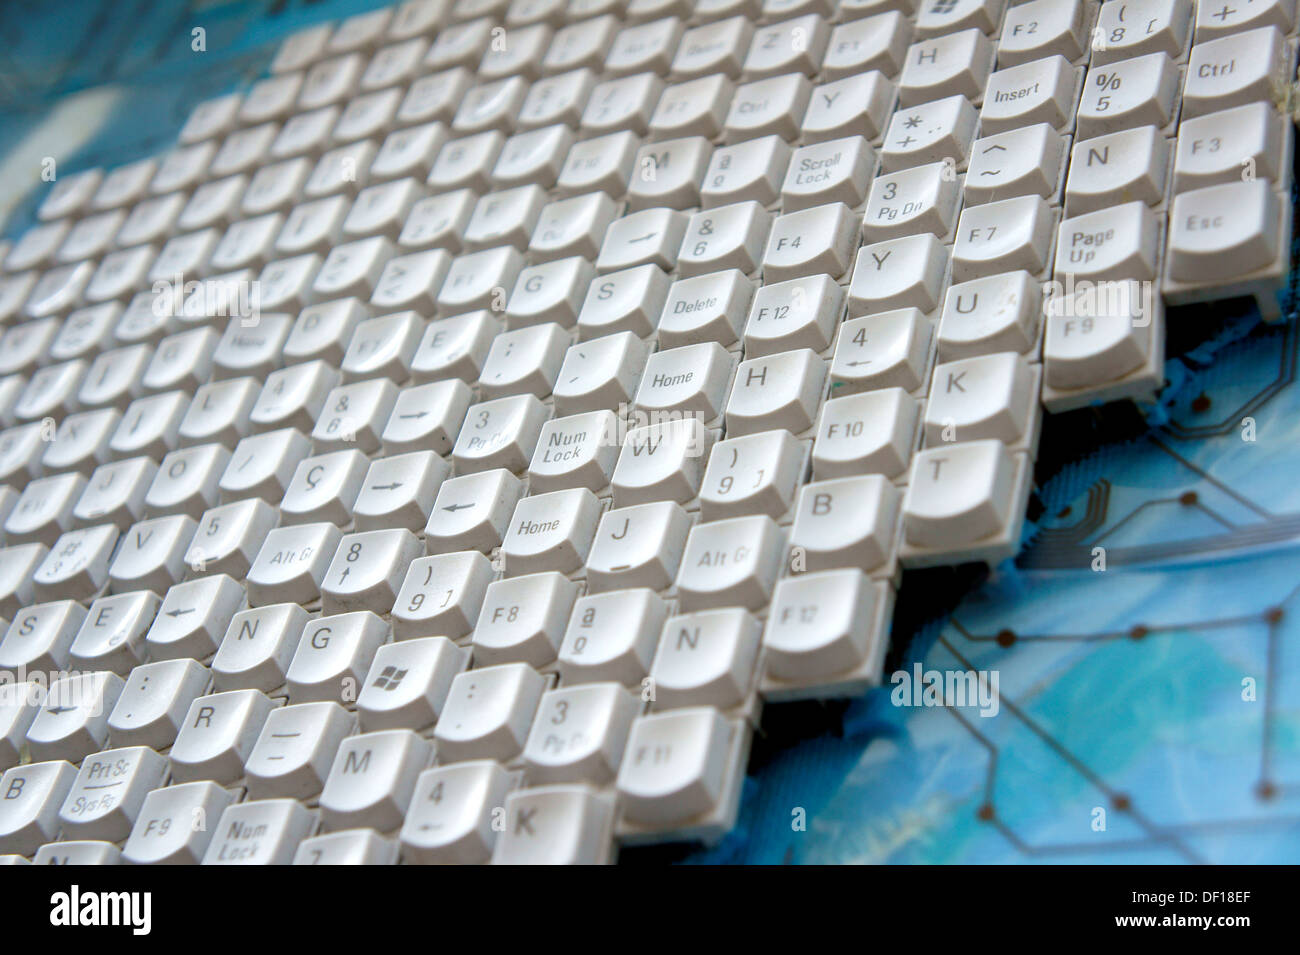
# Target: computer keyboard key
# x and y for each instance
(675, 765)
(262, 832)
(1040, 91)
(333, 656)
(73, 721)
(379, 353)
(780, 391)
(441, 595)
(164, 831)
(152, 554)
(1118, 242)
(16, 568)
(372, 780)
(489, 713)
(912, 201)
(731, 562)
(1256, 134)
(295, 750)
(18, 708)
(872, 432)
(523, 619)
(52, 391)
(1234, 70)
(555, 825)
(77, 565)
(43, 510)
(1144, 26)
(1044, 28)
(399, 491)
(754, 474)
(219, 412)
(193, 618)
(1117, 168)
(108, 793)
(579, 734)
(408, 683)
(987, 396)
(524, 361)
(349, 847)
(1221, 233)
(34, 794)
(718, 47)
(938, 131)
(111, 637)
(578, 451)
(478, 279)
(959, 494)
(992, 314)
(1142, 91)
(1101, 346)
(1215, 20)
(40, 636)
(646, 46)
(706, 309)
(291, 563)
(952, 64)
(838, 170)
(324, 487)
(217, 736)
(888, 350)
(186, 482)
(229, 537)
(154, 702)
(471, 511)
(501, 433)
(550, 532)
(262, 465)
(668, 174)
(846, 522)
(661, 462)
(1004, 236)
(724, 237)
(706, 658)
(797, 45)
(367, 571)
(257, 647)
(450, 815)
(602, 373)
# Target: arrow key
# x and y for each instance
(471, 512)
(399, 491)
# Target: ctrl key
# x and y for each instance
(260, 833)
(681, 772)
(965, 502)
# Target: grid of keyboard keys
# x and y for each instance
(536, 388)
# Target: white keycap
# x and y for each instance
(500, 434)
(454, 347)
(229, 537)
(754, 474)
(776, 391)
(324, 487)
(730, 563)
(629, 301)
(856, 105)
(193, 618)
(152, 555)
(753, 170)
(706, 658)
(579, 734)
(295, 749)
(333, 656)
(258, 646)
(408, 683)
(1009, 235)
(219, 412)
(674, 766)
(955, 63)
(73, 722)
(1117, 168)
(526, 360)
(154, 702)
(932, 132)
(824, 624)
(380, 348)
(652, 236)
(217, 736)
(1044, 28)
(77, 565)
(837, 170)
(638, 546)
(868, 433)
(812, 242)
(81, 441)
(450, 818)
(108, 793)
(647, 46)
(471, 512)
(668, 174)
(166, 830)
(262, 465)
(660, 462)
(874, 43)
(523, 619)
(40, 636)
(1041, 91)
(1221, 232)
(19, 704)
(265, 832)
(555, 825)
(1144, 26)
(1119, 242)
(958, 494)
(441, 595)
(1086, 347)
(550, 532)
(43, 510)
(488, 713)
(706, 308)
(476, 280)
(1201, 159)
(987, 396)
(88, 852)
(916, 200)
(846, 522)
(888, 350)
(52, 391)
(575, 451)
(992, 314)
(34, 794)
(367, 570)
(150, 425)
(1136, 92)
(112, 635)
(352, 847)
(600, 374)
(427, 416)
(186, 481)
(1213, 20)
